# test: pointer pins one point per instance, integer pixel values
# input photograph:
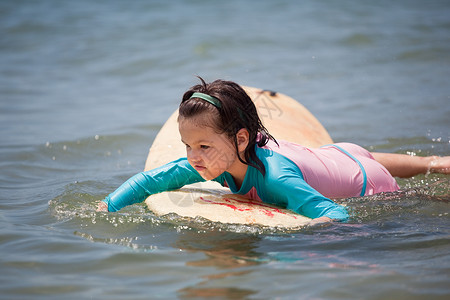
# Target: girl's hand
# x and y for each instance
(320, 220)
(102, 206)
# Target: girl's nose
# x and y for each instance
(193, 155)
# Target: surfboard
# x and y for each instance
(285, 118)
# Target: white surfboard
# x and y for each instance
(285, 118)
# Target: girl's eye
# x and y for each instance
(204, 147)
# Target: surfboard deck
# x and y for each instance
(285, 118)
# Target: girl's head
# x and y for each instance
(225, 107)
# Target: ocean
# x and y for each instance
(85, 87)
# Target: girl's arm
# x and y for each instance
(291, 191)
(171, 176)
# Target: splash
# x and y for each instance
(418, 196)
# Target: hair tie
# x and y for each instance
(210, 99)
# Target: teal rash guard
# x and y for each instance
(283, 185)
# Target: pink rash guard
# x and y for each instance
(338, 171)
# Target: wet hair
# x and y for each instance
(236, 111)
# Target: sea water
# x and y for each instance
(86, 85)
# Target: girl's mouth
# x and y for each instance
(199, 168)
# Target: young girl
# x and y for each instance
(226, 142)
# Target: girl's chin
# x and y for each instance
(208, 176)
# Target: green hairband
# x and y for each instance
(210, 99)
(214, 101)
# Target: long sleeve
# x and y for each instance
(290, 190)
(171, 176)
(284, 185)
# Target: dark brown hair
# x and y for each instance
(236, 111)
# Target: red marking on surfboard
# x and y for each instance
(225, 204)
(267, 210)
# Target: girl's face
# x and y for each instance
(209, 152)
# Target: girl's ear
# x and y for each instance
(242, 137)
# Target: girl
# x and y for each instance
(226, 142)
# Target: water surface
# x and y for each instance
(85, 87)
